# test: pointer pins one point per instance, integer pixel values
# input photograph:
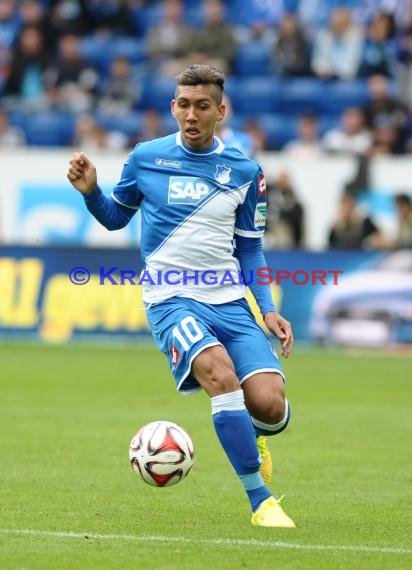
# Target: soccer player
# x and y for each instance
(203, 214)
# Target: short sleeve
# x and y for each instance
(126, 191)
(251, 215)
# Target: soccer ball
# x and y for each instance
(161, 453)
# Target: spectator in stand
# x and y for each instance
(285, 215)
(237, 138)
(257, 32)
(76, 79)
(259, 140)
(313, 15)
(307, 144)
(10, 136)
(403, 238)
(70, 64)
(337, 49)
(33, 13)
(352, 137)
(214, 42)
(386, 110)
(70, 17)
(400, 10)
(90, 135)
(384, 139)
(120, 92)
(26, 83)
(9, 30)
(378, 52)
(170, 41)
(9, 23)
(403, 43)
(5, 58)
(151, 127)
(114, 17)
(352, 228)
(291, 55)
(257, 12)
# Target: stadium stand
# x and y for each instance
(45, 128)
(253, 58)
(253, 95)
(257, 92)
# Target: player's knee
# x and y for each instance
(275, 420)
(277, 408)
(223, 380)
(214, 371)
(272, 408)
(218, 378)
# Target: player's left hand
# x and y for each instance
(282, 329)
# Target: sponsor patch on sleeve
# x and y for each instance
(260, 214)
(261, 185)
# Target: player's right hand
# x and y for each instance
(282, 329)
(82, 173)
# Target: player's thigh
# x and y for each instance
(249, 348)
(214, 371)
(259, 370)
(181, 334)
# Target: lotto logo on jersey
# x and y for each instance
(261, 185)
(187, 189)
(174, 355)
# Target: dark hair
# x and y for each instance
(308, 116)
(402, 198)
(199, 74)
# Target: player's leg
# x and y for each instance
(270, 412)
(255, 361)
(261, 376)
(215, 372)
(182, 329)
(265, 399)
(266, 402)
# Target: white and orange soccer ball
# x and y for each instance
(161, 453)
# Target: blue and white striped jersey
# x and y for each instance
(193, 203)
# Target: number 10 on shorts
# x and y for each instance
(187, 332)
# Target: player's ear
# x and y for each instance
(172, 107)
(222, 112)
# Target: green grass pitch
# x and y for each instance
(69, 499)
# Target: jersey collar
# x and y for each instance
(216, 148)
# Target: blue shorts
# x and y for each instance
(182, 328)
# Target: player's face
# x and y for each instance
(197, 112)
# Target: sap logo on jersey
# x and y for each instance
(187, 189)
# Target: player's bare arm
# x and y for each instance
(282, 329)
(82, 173)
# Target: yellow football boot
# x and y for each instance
(271, 514)
(266, 465)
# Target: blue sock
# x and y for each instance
(268, 429)
(235, 431)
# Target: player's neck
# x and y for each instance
(203, 150)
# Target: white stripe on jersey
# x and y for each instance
(242, 194)
(202, 242)
(122, 204)
(245, 233)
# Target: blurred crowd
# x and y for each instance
(87, 73)
(352, 227)
(92, 59)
